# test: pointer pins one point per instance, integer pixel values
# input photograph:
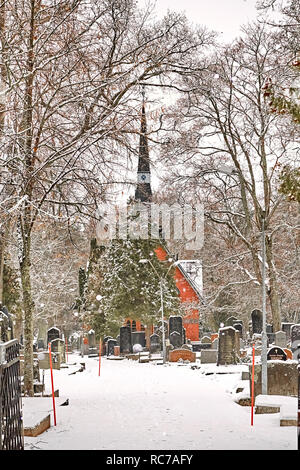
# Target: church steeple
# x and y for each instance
(143, 192)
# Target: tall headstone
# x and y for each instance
(125, 340)
(53, 333)
(257, 321)
(175, 324)
(92, 343)
(227, 346)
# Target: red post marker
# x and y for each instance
(252, 384)
(100, 349)
(51, 371)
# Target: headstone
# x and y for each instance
(282, 378)
(198, 346)
(58, 346)
(227, 353)
(239, 328)
(110, 349)
(276, 354)
(286, 327)
(295, 337)
(53, 333)
(138, 337)
(125, 340)
(175, 324)
(230, 321)
(280, 339)
(209, 356)
(154, 343)
(92, 339)
(206, 339)
(257, 321)
(182, 354)
(176, 339)
(215, 343)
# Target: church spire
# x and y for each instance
(143, 192)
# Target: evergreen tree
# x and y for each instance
(129, 288)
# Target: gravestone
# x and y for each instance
(93, 350)
(53, 333)
(58, 346)
(182, 354)
(286, 327)
(209, 356)
(206, 339)
(227, 353)
(230, 321)
(257, 321)
(280, 339)
(110, 348)
(176, 339)
(276, 354)
(198, 346)
(215, 343)
(295, 337)
(175, 324)
(282, 378)
(125, 340)
(138, 337)
(239, 328)
(155, 346)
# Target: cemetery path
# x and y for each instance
(148, 406)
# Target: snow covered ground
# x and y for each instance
(155, 407)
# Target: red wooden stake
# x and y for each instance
(100, 349)
(51, 371)
(252, 385)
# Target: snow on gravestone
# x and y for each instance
(154, 343)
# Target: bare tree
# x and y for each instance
(72, 70)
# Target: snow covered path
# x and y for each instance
(155, 407)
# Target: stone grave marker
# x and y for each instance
(257, 321)
(184, 354)
(276, 354)
(239, 328)
(295, 337)
(111, 343)
(125, 340)
(53, 333)
(227, 353)
(230, 321)
(206, 339)
(286, 327)
(138, 337)
(280, 339)
(209, 356)
(58, 346)
(176, 339)
(155, 346)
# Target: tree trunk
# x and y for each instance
(273, 288)
(28, 320)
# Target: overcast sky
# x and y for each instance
(224, 16)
